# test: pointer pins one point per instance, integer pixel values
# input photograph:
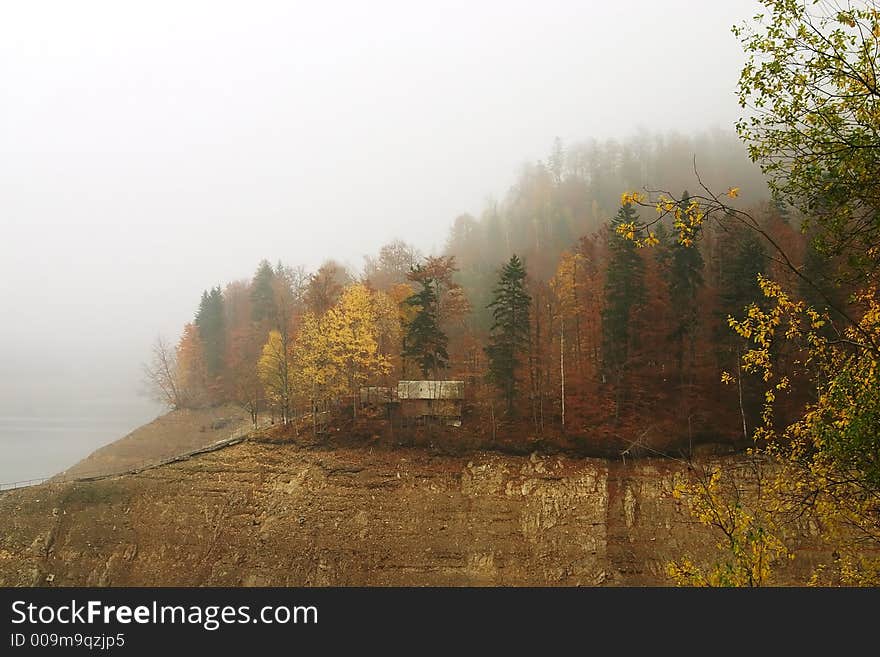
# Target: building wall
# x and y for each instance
(430, 408)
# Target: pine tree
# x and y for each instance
(624, 291)
(823, 273)
(739, 275)
(738, 283)
(685, 280)
(510, 328)
(424, 341)
(210, 322)
(262, 293)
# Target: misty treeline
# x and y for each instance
(616, 300)
(536, 303)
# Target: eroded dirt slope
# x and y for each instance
(261, 514)
(168, 435)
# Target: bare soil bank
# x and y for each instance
(292, 514)
(167, 436)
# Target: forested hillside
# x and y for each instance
(632, 297)
(640, 336)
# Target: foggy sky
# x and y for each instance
(151, 150)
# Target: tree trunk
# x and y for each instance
(562, 366)
(742, 410)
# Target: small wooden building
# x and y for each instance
(432, 399)
(375, 395)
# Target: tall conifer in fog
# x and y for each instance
(509, 337)
(624, 291)
(424, 342)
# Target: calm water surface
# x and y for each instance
(41, 444)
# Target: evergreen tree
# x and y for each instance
(739, 275)
(780, 207)
(262, 294)
(510, 328)
(424, 341)
(210, 322)
(685, 280)
(824, 274)
(624, 291)
(738, 288)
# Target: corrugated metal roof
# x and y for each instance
(430, 390)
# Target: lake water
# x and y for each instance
(34, 445)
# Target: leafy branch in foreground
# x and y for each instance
(811, 94)
(690, 215)
(733, 503)
(823, 469)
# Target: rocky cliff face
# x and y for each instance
(258, 514)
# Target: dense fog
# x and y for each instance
(151, 152)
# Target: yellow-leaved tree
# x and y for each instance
(276, 373)
(389, 329)
(399, 294)
(810, 85)
(352, 329)
(315, 375)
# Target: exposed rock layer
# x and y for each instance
(259, 514)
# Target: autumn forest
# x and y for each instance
(641, 297)
(399, 295)
(596, 310)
